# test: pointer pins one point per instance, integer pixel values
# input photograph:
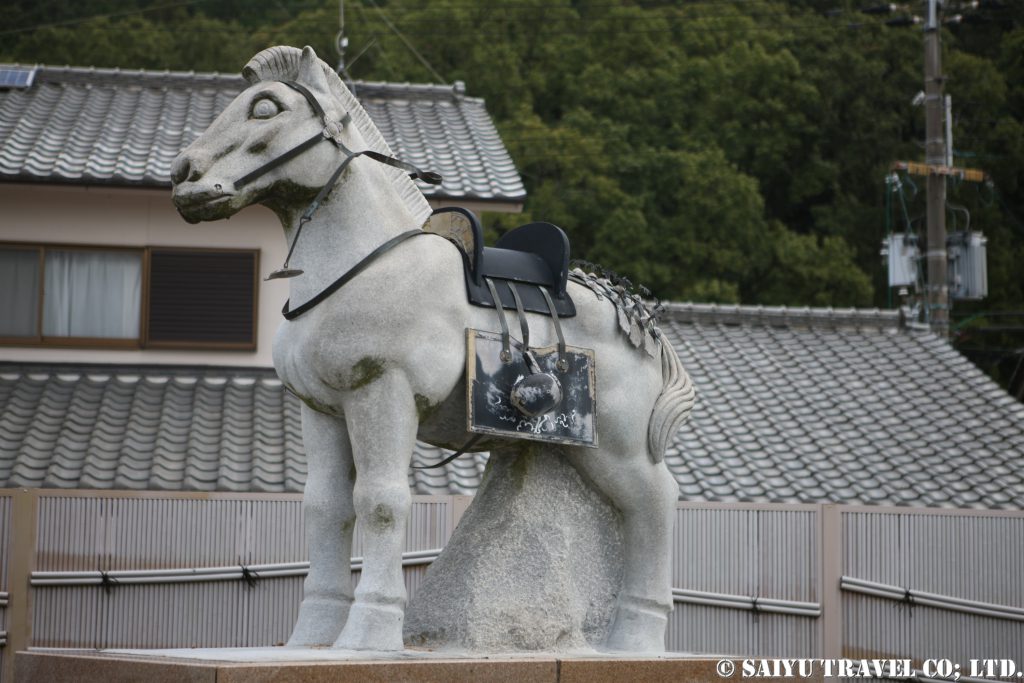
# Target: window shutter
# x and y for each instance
(202, 298)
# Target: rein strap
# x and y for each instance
(277, 161)
(350, 274)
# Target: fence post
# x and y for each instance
(24, 529)
(830, 565)
(459, 506)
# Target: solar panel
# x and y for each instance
(16, 77)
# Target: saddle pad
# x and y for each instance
(533, 300)
(490, 383)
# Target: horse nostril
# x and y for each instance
(182, 169)
(186, 168)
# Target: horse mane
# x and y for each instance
(281, 63)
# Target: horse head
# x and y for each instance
(296, 105)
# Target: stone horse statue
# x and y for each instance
(381, 361)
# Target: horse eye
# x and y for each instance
(265, 108)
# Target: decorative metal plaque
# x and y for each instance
(490, 383)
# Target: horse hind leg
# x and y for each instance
(645, 493)
(330, 519)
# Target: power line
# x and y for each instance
(408, 44)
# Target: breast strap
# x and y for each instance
(292, 314)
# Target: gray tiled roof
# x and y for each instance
(148, 428)
(166, 428)
(839, 406)
(793, 406)
(84, 125)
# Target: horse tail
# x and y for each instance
(674, 404)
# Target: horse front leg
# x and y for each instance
(382, 423)
(330, 518)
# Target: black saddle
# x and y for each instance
(529, 257)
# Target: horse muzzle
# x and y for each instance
(203, 205)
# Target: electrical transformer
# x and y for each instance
(968, 269)
(903, 255)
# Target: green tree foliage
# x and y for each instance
(725, 151)
(139, 42)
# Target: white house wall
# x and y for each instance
(128, 217)
(145, 217)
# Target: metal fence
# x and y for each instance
(5, 561)
(942, 584)
(747, 580)
(91, 569)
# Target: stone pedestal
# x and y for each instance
(281, 665)
(534, 565)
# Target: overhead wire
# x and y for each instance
(407, 42)
(959, 208)
(371, 43)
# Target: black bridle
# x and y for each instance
(331, 131)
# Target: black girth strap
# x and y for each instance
(524, 326)
(562, 364)
(506, 346)
(469, 444)
(292, 314)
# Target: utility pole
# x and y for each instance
(935, 156)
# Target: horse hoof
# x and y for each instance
(637, 629)
(319, 622)
(372, 627)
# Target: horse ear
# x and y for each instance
(311, 71)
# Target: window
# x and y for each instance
(205, 297)
(77, 296)
(19, 292)
(92, 293)
(70, 294)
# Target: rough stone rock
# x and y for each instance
(535, 564)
